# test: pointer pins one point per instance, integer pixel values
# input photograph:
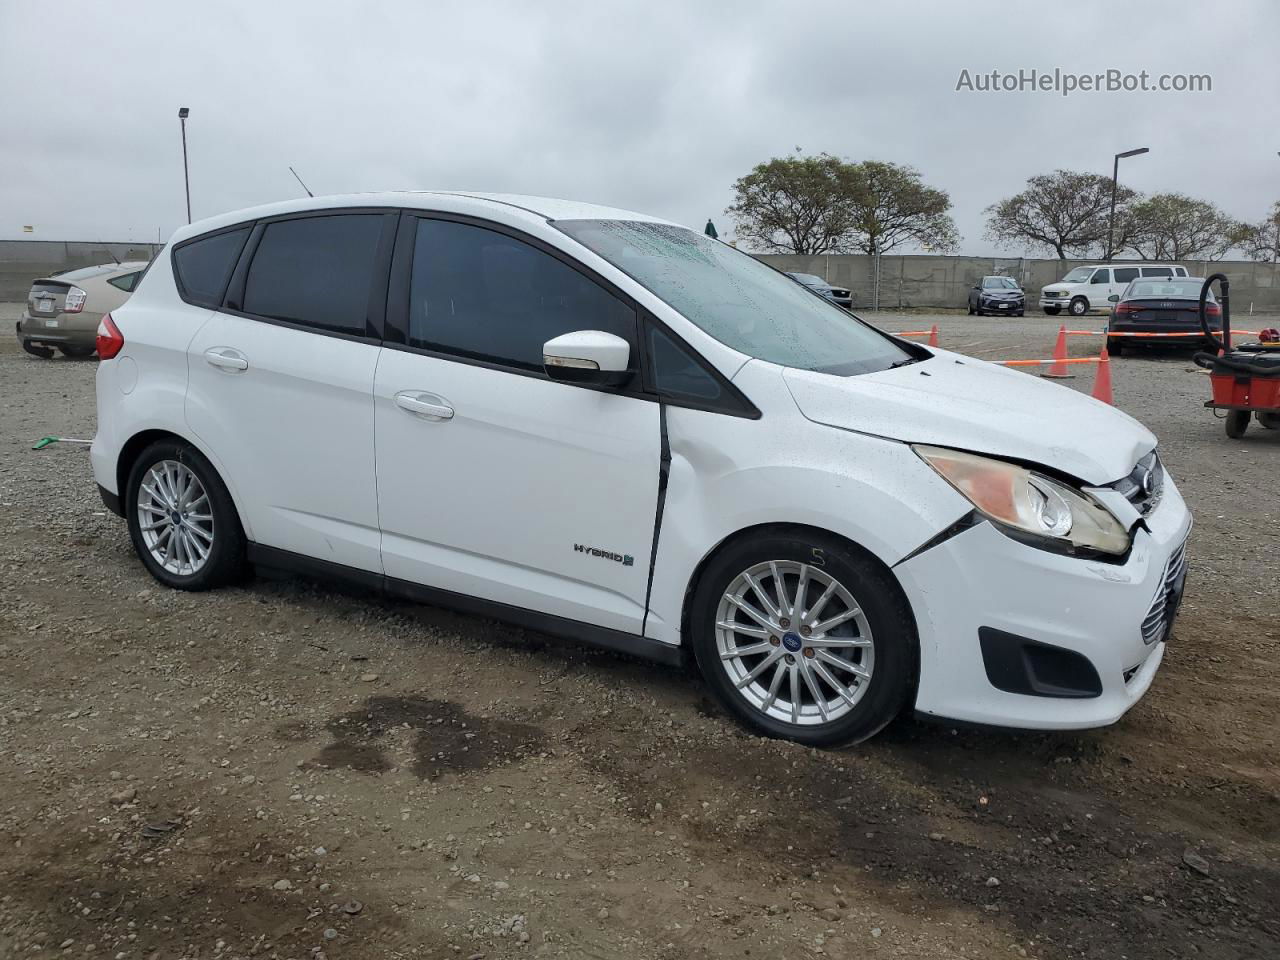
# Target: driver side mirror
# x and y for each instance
(1114, 298)
(588, 356)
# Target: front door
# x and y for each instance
(495, 481)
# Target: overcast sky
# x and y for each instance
(651, 106)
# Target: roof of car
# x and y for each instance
(547, 208)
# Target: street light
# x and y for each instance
(1115, 173)
(183, 113)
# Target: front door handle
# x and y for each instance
(425, 405)
(227, 358)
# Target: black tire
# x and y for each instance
(1079, 307)
(1269, 421)
(893, 634)
(77, 352)
(971, 310)
(1053, 311)
(1115, 347)
(1020, 313)
(1237, 423)
(225, 563)
(44, 353)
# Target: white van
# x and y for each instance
(1090, 288)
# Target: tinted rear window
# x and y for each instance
(1174, 288)
(316, 271)
(1157, 271)
(203, 266)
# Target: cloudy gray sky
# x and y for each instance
(648, 105)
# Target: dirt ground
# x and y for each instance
(281, 770)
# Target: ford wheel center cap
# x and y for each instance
(792, 642)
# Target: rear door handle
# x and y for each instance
(227, 358)
(425, 405)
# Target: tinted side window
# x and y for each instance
(316, 271)
(127, 282)
(676, 374)
(483, 295)
(1125, 274)
(1157, 272)
(203, 266)
(1101, 276)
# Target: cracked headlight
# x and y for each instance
(1029, 505)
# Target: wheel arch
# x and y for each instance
(784, 528)
(136, 444)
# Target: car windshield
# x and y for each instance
(737, 299)
(1078, 275)
(999, 283)
(1168, 289)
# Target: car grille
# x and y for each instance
(1144, 486)
(1160, 616)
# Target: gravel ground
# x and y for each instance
(281, 770)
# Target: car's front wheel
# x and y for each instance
(1053, 311)
(804, 637)
(1079, 307)
(181, 518)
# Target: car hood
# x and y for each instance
(955, 401)
(1002, 293)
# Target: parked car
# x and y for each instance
(1170, 305)
(837, 295)
(997, 295)
(63, 311)
(1087, 289)
(603, 425)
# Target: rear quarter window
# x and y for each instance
(203, 266)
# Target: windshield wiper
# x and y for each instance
(902, 363)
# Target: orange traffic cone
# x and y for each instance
(1102, 382)
(933, 336)
(1058, 369)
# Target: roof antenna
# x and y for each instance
(299, 179)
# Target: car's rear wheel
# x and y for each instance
(1270, 421)
(1237, 423)
(1115, 346)
(181, 518)
(804, 637)
(971, 310)
(1079, 307)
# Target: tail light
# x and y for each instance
(110, 340)
(1212, 310)
(75, 300)
(1123, 308)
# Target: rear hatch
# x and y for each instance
(47, 298)
(1164, 313)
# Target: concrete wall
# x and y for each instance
(929, 281)
(22, 261)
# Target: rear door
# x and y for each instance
(281, 382)
(495, 481)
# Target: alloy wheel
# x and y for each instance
(794, 642)
(175, 517)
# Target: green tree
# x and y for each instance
(1063, 211)
(793, 204)
(1173, 226)
(891, 206)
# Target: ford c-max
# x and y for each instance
(604, 425)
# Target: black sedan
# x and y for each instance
(1160, 305)
(997, 295)
(837, 295)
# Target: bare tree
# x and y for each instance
(1261, 241)
(1063, 211)
(793, 204)
(1173, 226)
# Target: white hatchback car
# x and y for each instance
(600, 424)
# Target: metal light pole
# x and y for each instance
(1115, 173)
(183, 113)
